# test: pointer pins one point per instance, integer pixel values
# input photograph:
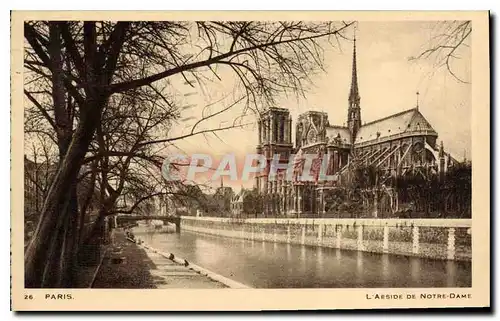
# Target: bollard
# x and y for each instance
(451, 243)
(386, 239)
(288, 234)
(303, 235)
(252, 235)
(275, 237)
(416, 240)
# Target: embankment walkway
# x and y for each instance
(132, 265)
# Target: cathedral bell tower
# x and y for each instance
(275, 137)
(354, 110)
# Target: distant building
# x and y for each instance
(37, 179)
(237, 203)
(223, 196)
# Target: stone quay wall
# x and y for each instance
(445, 239)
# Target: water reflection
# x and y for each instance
(451, 271)
(319, 258)
(360, 272)
(303, 258)
(278, 265)
(385, 267)
(415, 268)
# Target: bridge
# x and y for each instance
(120, 219)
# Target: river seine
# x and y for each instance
(272, 265)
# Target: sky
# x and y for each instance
(388, 82)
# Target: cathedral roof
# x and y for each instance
(407, 121)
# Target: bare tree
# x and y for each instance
(86, 64)
(446, 45)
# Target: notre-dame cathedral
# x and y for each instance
(396, 145)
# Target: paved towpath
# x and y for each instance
(132, 266)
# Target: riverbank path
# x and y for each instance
(129, 265)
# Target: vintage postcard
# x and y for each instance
(232, 161)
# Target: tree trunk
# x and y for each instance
(96, 233)
(36, 254)
(51, 270)
(60, 267)
(74, 146)
(60, 257)
(70, 247)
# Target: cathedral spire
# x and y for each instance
(354, 110)
(354, 93)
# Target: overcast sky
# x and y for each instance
(388, 83)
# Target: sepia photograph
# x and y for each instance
(260, 153)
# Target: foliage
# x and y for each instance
(447, 193)
(253, 202)
(419, 193)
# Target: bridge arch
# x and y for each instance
(134, 218)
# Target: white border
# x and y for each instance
(189, 5)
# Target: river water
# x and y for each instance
(273, 265)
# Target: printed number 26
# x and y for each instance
(28, 297)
